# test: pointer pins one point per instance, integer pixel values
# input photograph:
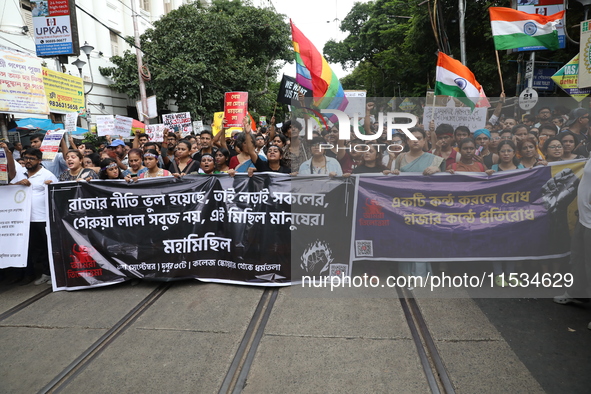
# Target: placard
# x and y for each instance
(180, 122)
(155, 132)
(123, 125)
(105, 125)
(51, 144)
(235, 108)
(71, 118)
(456, 116)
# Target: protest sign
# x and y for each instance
(356, 106)
(15, 218)
(123, 125)
(155, 132)
(51, 144)
(235, 108)
(179, 122)
(525, 211)
(70, 124)
(152, 108)
(289, 89)
(456, 116)
(105, 125)
(202, 228)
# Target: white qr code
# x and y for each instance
(364, 248)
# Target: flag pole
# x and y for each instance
(500, 73)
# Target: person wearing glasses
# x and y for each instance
(320, 163)
(507, 157)
(37, 178)
(553, 150)
(544, 116)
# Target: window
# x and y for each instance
(114, 44)
(145, 5)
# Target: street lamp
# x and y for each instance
(79, 64)
(87, 49)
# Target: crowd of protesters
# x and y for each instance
(505, 144)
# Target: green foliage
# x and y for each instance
(196, 54)
(392, 53)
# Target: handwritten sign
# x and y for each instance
(123, 125)
(71, 118)
(179, 122)
(235, 108)
(105, 125)
(456, 116)
(155, 132)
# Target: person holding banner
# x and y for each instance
(553, 149)
(569, 141)
(151, 162)
(467, 162)
(417, 160)
(273, 162)
(507, 157)
(483, 138)
(222, 160)
(183, 163)
(76, 171)
(110, 170)
(319, 163)
(38, 178)
(135, 158)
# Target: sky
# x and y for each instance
(311, 16)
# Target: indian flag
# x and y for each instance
(516, 29)
(456, 80)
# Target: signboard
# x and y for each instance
(155, 132)
(456, 116)
(71, 118)
(216, 125)
(235, 108)
(152, 108)
(123, 125)
(357, 99)
(543, 7)
(407, 105)
(54, 23)
(528, 99)
(65, 93)
(51, 144)
(585, 53)
(179, 122)
(21, 84)
(568, 80)
(543, 79)
(105, 125)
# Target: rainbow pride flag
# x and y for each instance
(314, 73)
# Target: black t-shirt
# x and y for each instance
(263, 166)
(197, 155)
(363, 169)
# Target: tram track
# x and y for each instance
(17, 308)
(69, 373)
(433, 367)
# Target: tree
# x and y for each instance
(195, 54)
(392, 51)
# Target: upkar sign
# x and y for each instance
(55, 28)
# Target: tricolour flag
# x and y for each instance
(516, 29)
(456, 80)
(314, 73)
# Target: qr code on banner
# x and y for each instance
(364, 248)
